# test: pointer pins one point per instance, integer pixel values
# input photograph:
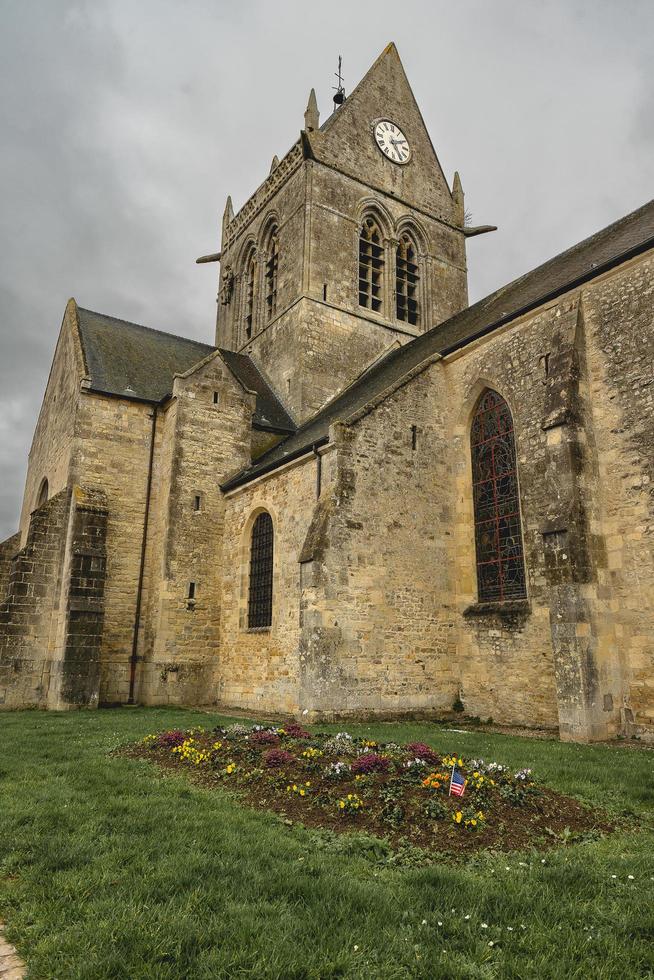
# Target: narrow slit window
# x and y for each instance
(272, 263)
(498, 531)
(260, 594)
(197, 501)
(407, 282)
(216, 398)
(371, 266)
(191, 590)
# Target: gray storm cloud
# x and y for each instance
(124, 126)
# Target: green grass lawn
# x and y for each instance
(108, 869)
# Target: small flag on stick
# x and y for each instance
(457, 783)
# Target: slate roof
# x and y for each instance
(134, 361)
(615, 244)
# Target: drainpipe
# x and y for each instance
(318, 470)
(133, 660)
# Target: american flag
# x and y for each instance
(457, 783)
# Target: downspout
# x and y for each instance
(318, 470)
(133, 660)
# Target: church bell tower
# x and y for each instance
(352, 245)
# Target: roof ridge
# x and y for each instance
(142, 326)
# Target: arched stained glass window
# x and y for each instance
(272, 262)
(407, 281)
(261, 573)
(498, 533)
(371, 266)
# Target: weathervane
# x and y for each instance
(339, 97)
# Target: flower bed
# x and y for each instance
(400, 792)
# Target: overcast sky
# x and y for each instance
(124, 125)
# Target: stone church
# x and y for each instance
(368, 498)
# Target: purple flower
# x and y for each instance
(170, 740)
(370, 762)
(264, 738)
(421, 751)
(278, 757)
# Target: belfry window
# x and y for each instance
(498, 532)
(407, 281)
(248, 306)
(272, 262)
(260, 592)
(371, 266)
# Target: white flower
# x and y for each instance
(355, 948)
(630, 877)
(614, 876)
(440, 923)
(466, 916)
(509, 928)
(491, 943)
(424, 922)
(484, 925)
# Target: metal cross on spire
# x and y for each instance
(339, 97)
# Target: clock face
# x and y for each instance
(391, 141)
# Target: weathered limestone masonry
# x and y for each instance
(180, 640)
(259, 668)
(51, 620)
(342, 430)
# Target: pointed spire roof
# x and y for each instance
(311, 114)
(228, 213)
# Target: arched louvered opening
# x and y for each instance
(371, 266)
(407, 281)
(260, 593)
(249, 294)
(272, 262)
(498, 531)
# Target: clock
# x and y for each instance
(391, 141)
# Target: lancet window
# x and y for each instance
(371, 266)
(260, 593)
(272, 261)
(407, 281)
(498, 532)
(248, 296)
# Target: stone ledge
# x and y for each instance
(511, 607)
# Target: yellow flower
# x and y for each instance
(458, 816)
(341, 803)
(303, 792)
(294, 788)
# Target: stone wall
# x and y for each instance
(28, 614)
(53, 442)
(52, 613)
(259, 669)
(112, 455)
(202, 444)
(377, 618)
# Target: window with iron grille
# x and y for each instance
(371, 266)
(248, 312)
(272, 262)
(498, 532)
(407, 281)
(261, 573)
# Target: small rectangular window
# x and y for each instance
(414, 436)
(191, 590)
(215, 398)
(197, 501)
